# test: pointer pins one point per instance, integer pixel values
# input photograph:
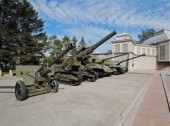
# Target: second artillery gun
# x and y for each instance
(78, 62)
(102, 69)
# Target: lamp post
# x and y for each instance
(0, 72)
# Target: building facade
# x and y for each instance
(157, 50)
(125, 44)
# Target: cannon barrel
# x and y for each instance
(113, 57)
(130, 59)
(107, 53)
(80, 50)
(93, 47)
(70, 47)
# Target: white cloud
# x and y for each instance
(108, 12)
(80, 14)
(92, 34)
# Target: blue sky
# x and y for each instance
(93, 19)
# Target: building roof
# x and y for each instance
(125, 37)
(143, 45)
(160, 36)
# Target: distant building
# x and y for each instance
(157, 50)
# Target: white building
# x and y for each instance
(157, 50)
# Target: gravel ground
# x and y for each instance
(98, 103)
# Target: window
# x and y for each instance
(143, 51)
(125, 48)
(138, 50)
(148, 51)
(117, 48)
(162, 52)
(153, 52)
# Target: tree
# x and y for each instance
(82, 43)
(146, 34)
(74, 40)
(21, 33)
(65, 41)
(109, 52)
(55, 46)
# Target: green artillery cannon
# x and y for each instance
(104, 63)
(103, 60)
(100, 68)
(116, 64)
(78, 62)
(37, 79)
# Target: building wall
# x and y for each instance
(124, 57)
(156, 48)
(148, 50)
(137, 49)
(166, 56)
(146, 62)
(130, 47)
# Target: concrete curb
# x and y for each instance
(121, 120)
(140, 73)
(167, 92)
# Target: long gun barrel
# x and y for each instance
(113, 57)
(102, 53)
(130, 59)
(70, 47)
(93, 47)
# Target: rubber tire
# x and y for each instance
(20, 91)
(80, 79)
(101, 75)
(55, 87)
(93, 79)
(123, 71)
(97, 75)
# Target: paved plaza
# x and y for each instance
(102, 103)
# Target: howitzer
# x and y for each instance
(43, 70)
(130, 59)
(100, 68)
(103, 60)
(107, 53)
(116, 64)
(90, 49)
(77, 62)
(37, 80)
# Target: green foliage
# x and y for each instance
(48, 59)
(65, 41)
(82, 43)
(55, 45)
(74, 40)
(4, 72)
(146, 34)
(21, 33)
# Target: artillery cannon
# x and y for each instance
(100, 68)
(78, 62)
(37, 79)
(103, 60)
(116, 64)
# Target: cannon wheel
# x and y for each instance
(54, 86)
(20, 91)
(96, 76)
